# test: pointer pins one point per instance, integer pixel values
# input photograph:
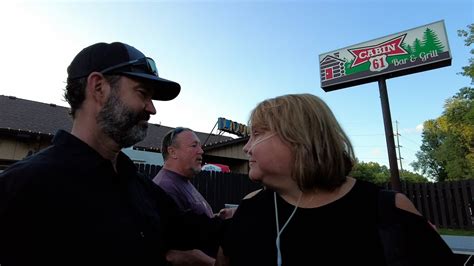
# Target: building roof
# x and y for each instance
(32, 117)
(20, 116)
(223, 143)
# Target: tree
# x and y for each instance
(410, 177)
(447, 149)
(379, 174)
(468, 71)
(458, 148)
(428, 162)
(371, 172)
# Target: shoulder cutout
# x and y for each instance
(404, 203)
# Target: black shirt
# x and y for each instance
(67, 205)
(343, 232)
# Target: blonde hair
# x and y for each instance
(323, 153)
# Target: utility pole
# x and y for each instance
(387, 122)
(398, 146)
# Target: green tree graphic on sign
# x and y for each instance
(417, 47)
(431, 41)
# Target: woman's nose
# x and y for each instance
(246, 148)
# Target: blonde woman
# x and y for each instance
(312, 212)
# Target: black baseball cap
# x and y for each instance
(122, 59)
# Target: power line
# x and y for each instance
(410, 149)
(409, 140)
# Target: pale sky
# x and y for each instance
(230, 55)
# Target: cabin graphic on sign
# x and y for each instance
(411, 51)
(332, 67)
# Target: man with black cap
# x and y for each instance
(81, 201)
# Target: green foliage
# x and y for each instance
(468, 71)
(459, 147)
(410, 177)
(372, 172)
(428, 162)
(380, 174)
(447, 149)
(455, 232)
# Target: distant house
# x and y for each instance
(332, 67)
(27, 126)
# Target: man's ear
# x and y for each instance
(172, 152)
(98, 87)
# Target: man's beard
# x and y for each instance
(122, 124)
(196, 170)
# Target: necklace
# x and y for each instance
(279, 260)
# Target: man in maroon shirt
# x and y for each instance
(182, 153)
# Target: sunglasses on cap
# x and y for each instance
(169, 138)
(145, 63)
(175, 133)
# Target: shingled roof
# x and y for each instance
(20, 116)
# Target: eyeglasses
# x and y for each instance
(145, 63)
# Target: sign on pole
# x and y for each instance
(419, 49)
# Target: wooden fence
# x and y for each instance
(445, 204)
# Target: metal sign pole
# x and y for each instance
(387, 120)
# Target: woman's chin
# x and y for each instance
(255, 178)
